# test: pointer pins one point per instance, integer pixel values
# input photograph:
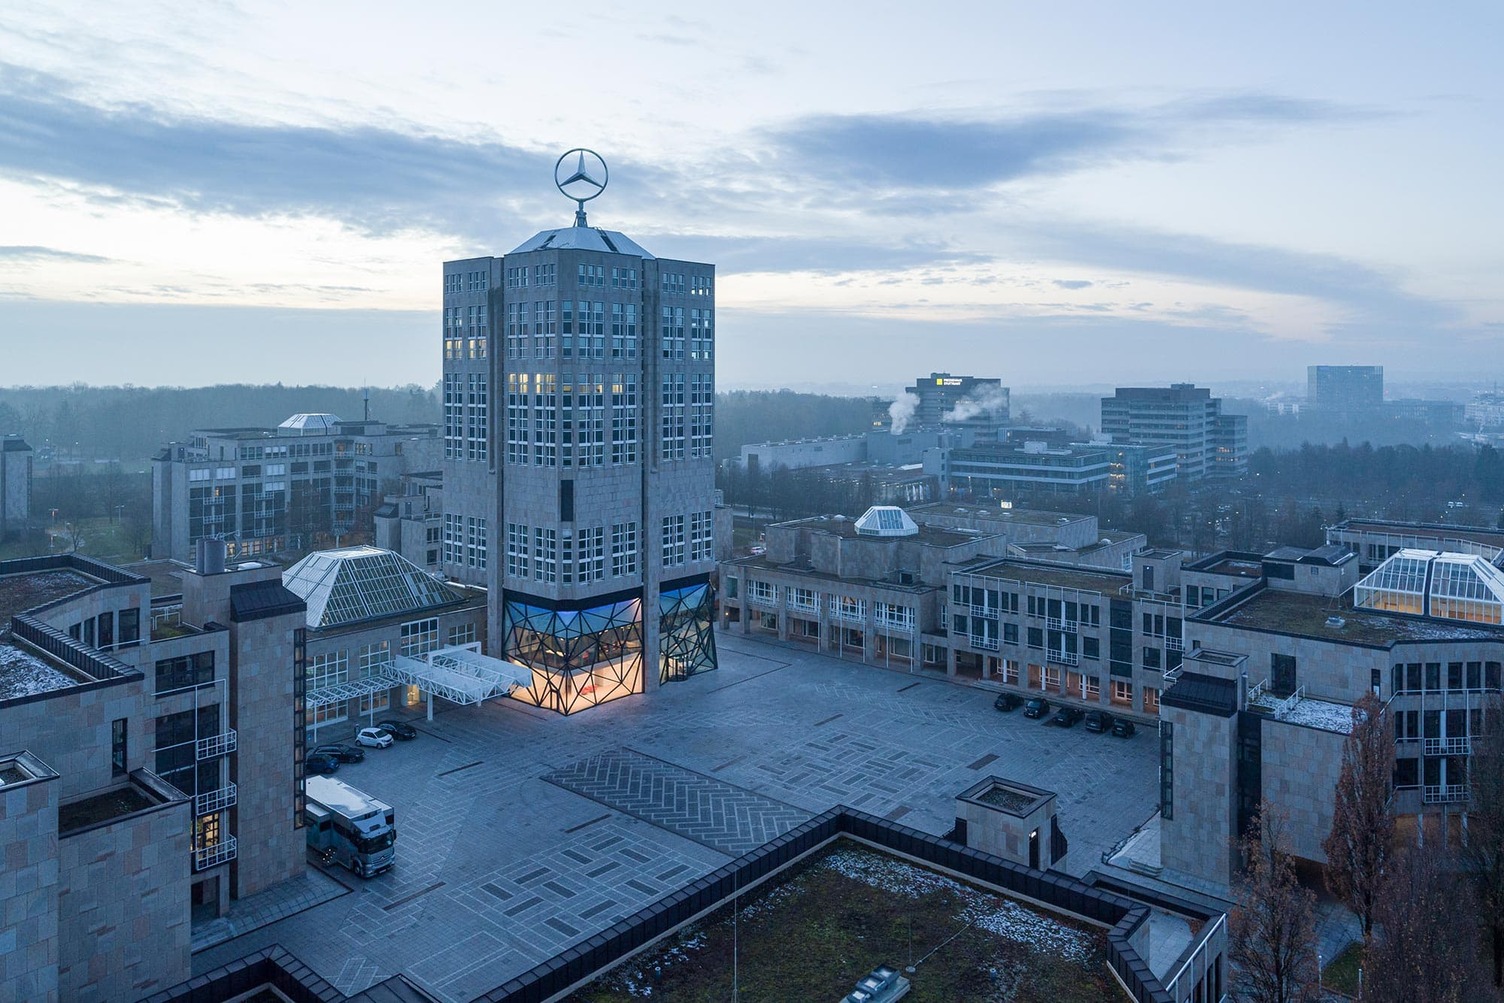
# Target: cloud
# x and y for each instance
(18, 253)
(914, 151)
(821, 255)
(375, 178)
(1072, 283)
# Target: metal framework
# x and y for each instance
(579, 658)
(460, 675)
(351, 689)
(686, 639)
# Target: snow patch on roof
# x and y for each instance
(23, 674)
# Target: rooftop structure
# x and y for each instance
(361, 583)
(1430, 583)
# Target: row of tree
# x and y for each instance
(1431, 916)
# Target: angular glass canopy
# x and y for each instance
(1448, 586)
(361, 583)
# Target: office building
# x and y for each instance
(1188, 418)
(978, 403)
(1024, 467)
(148, 766)
(311, 482)
(410, 521)
(1374, 541)
(1345, 390)
(1263, 702)
(579, 390)
(15, 484)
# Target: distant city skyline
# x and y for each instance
(1064, 195)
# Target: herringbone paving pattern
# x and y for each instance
(711, 812)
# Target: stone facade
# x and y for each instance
(1198, 832)
(29, 945)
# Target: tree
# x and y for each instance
(1425, 950)
(1358, 847)
(1272, 933)
(1483, 848)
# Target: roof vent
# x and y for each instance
(1336, 622)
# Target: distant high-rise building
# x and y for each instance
(940, 398)
(15, 483)
(579, 385)
(1345, 389)
(1207, 443)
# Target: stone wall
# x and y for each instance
(1300, 768)
(123, 906)
(1198, 839)
(28, 890)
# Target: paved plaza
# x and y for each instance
(522, 832)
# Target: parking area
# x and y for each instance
(521, 832)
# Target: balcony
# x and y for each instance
(214, 854)
(1446, 793)
(217, 745)
(212, 801)
(1174, 644)
(1064, 657)
(1459, 745)
(1057, 623)
(982, 642)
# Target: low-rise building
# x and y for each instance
(411, 521)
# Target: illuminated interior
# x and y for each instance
(1443, 585)
(579, 658)
(686, 641)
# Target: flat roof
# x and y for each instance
(1306, 615)
(761, 563)
(23, 674)
(991, 513)
(1430, 530)
(845, 526)
(1063, 576)
(30, 589)
(1231, 564)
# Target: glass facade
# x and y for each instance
(686, 639)
(579, 658)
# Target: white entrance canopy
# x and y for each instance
(460, 674)
(350, 690)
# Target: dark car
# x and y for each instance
(1006, 702)
(1036, 707)
(1098, 721)
(344, 753)
(321, 762)
(1123, 728)
(1066, 717)
(401, 732)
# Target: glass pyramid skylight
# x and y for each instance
(1429, 583)
(359, 583)
(886, 520)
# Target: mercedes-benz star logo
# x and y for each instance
(581, 175)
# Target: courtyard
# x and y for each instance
(522, 832)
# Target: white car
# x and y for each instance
(374, 737)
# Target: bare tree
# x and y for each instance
(1272, 932)
(1358, 847)
(1483, 843)
(1426, 948)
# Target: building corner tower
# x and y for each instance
(579, 387)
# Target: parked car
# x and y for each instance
(1036, 707)
(1066, 717)
(1098, 721)
(320, 762)
(398, 730)
(1006, 702)
(344, 753)
(373, 737)
(1123, 728)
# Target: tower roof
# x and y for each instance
(583, 238)
(360, 583)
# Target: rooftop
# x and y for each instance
(1229, 562)
(1039, 573)
(1308, 615)
(23, 674)
(845, 526)
(991, 513)
(1427, 530)
(361, 583)
(583, 238)
(30, 589)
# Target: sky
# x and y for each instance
(1058, 194)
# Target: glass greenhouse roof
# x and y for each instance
(1430, 583)
(886, 520)
(360, 583)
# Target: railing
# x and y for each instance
(1197, 958)
(215, 853)
(1459, 745)
(848, 615)
(1064, 657)
(1257, 690)
(1446, 793)
(800, 606)
(988, 612)
(1058, 623)
(767, 599)
(1285, 706)
(212, 801)
(217, 745)
(980, 641)
(1174, 644)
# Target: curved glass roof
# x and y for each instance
(1431, 583)
(360, 583)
